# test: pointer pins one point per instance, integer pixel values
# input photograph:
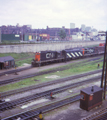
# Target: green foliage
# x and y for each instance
(20, 58)
(21, 62)
(81, 68)
(16, 56)
(10, 41)
(62, 33)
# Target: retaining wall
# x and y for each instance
(45, 46)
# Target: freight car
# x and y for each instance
(46, 57)
(90, 51)
(102, 44)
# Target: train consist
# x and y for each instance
(46, 57)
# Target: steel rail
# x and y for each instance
(32, 75)
(22, 69)
(29, 115)
(8, 93)
(10, 105)
(101, 115)
(15, 70)
(37, 74)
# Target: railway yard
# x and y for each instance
(52, 90)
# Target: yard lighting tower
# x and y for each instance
(104, 71)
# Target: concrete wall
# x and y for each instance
(45, 46)
(0, 35)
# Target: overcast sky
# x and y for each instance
(54, 13)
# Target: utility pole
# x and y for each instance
(104, 70)
(0, 35)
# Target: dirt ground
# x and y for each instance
(72, 112)
(34, 70)
(68, 112)
(58, 112)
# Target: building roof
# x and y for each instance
(7, 58)
(89, 90)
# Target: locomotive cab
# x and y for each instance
(37, 56)
(47, 57)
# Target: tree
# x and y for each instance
(62, 33)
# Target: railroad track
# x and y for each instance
(15, 70)
(12, 92)
(30, 115)
(101, 115)
(37, 74)
(22, 69)
(12, 104)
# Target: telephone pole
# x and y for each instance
(0, 34)
(104, 70)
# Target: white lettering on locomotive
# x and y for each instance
(49, 55)
(91, 50)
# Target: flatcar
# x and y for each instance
(46, 57)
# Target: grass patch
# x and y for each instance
(81, 68)
(21, 62)
(18, 85)
(20, 58)
(16, 56)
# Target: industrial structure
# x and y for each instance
(26, 33)
(6, 62)
(91, 97)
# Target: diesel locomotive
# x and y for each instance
(46, 57)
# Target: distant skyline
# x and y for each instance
(54, 13)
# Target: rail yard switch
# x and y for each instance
(98, 65)
(51, 95)
(91, 97)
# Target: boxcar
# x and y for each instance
(99, 49)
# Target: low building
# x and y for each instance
(44, 36)
(6, 62)
(10, 37)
